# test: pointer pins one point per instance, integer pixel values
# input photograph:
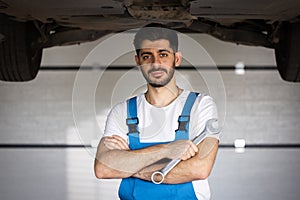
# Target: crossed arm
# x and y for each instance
(115, 160)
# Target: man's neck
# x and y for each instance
(162, 96)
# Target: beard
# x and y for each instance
(159, 82)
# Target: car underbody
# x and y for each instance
(268, 23)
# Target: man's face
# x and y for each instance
(157, 61)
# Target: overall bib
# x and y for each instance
(136, 189)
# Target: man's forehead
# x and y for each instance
(156, 44)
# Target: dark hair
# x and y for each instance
(154, 32)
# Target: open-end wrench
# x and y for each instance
(209, 129)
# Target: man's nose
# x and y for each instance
(156, 59)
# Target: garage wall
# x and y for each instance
(260, 107)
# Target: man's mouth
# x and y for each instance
(157, 74)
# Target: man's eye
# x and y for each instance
(163, 55)
(146, 57)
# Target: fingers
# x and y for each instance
(123, 143)
(190, 152)
(116, 142)
(110, 145)
(182, 149)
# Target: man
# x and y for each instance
(142, 134)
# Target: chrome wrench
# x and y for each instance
(209, 129)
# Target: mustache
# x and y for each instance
(157, 69)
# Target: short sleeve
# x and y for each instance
(116, 121)
(203, 110)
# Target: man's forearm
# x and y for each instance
(180, 174)
(195, 168)
(146, 172)
(121, 163)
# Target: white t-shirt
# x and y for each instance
(159, 124)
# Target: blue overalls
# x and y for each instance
(136, 189)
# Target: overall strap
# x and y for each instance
(182, 133)
(132, 122)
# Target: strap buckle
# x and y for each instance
(183, 120)
(132, 125)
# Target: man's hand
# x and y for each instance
(116, 142)
(183, 149)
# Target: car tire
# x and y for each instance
(19, 60)
(287, 52)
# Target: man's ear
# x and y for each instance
(137, 60)
(178, 58)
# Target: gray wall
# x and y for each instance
(260, 107)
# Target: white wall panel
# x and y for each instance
(260, 107)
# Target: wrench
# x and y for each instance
(209, 130)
